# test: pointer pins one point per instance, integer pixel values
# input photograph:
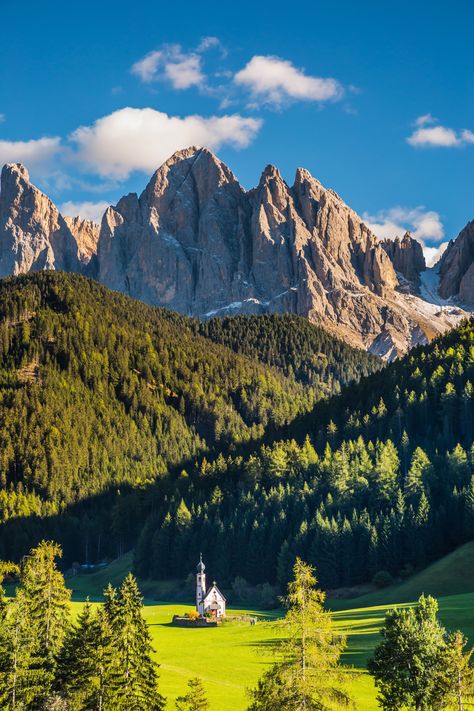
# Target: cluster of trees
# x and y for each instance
(351, 512)
(296, 347)
(103, 661)
(419, 666)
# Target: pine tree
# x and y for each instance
(22, 681)
(195, 699)
(134, 679)
(47, 599)
(307, 673)
(85, 661)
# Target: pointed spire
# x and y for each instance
(200, 566)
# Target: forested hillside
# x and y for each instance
(295, 346)
(98, 391)
(377, 479)
(125, 426)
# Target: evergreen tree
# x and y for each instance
(418, 474)
(46, 599)
(195, 699)
(85, 661)
(22, 680)
(134, 679)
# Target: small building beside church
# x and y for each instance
(208, 600)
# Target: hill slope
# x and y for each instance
(295, 346)
(451, 575)
(98, 392)
(378, 478)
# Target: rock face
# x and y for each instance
(407, 258)
(197, 242)
(457, 268)
(33, 235)
(86, 234)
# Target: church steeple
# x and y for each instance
(200, 585)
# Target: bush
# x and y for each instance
(382, 579)
(193, 615)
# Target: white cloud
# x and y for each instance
(276, 80)
(140, 139)
(3, 118)
(433, 254)
(87, 210)
(209, 43)
(185, 72)
(437, 136)
(37, 153)
(424, 225)
(147, 68)
(171, 64)
(425, 119)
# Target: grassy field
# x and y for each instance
(231, 658)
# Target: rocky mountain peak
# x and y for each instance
(86, 233)
(407, 257)
(197, 242)
(456, 267)
(33, 234)
(12, 173)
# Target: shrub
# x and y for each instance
(193, 615)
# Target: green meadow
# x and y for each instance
(231, 658)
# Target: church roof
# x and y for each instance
(216, 589)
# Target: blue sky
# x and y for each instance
(376, 99)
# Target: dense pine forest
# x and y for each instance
(100, 394)
(126, 426)
(295, 346)
(376, 481)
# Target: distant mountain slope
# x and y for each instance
(195, 241)
(457, 267)
(295, 346)
(98, 390)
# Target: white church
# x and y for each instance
(208, 601)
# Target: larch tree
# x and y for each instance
(306, 675)
(456, 674)
(195, 698)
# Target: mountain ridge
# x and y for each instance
(195, 241)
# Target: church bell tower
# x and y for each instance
(200, 585)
